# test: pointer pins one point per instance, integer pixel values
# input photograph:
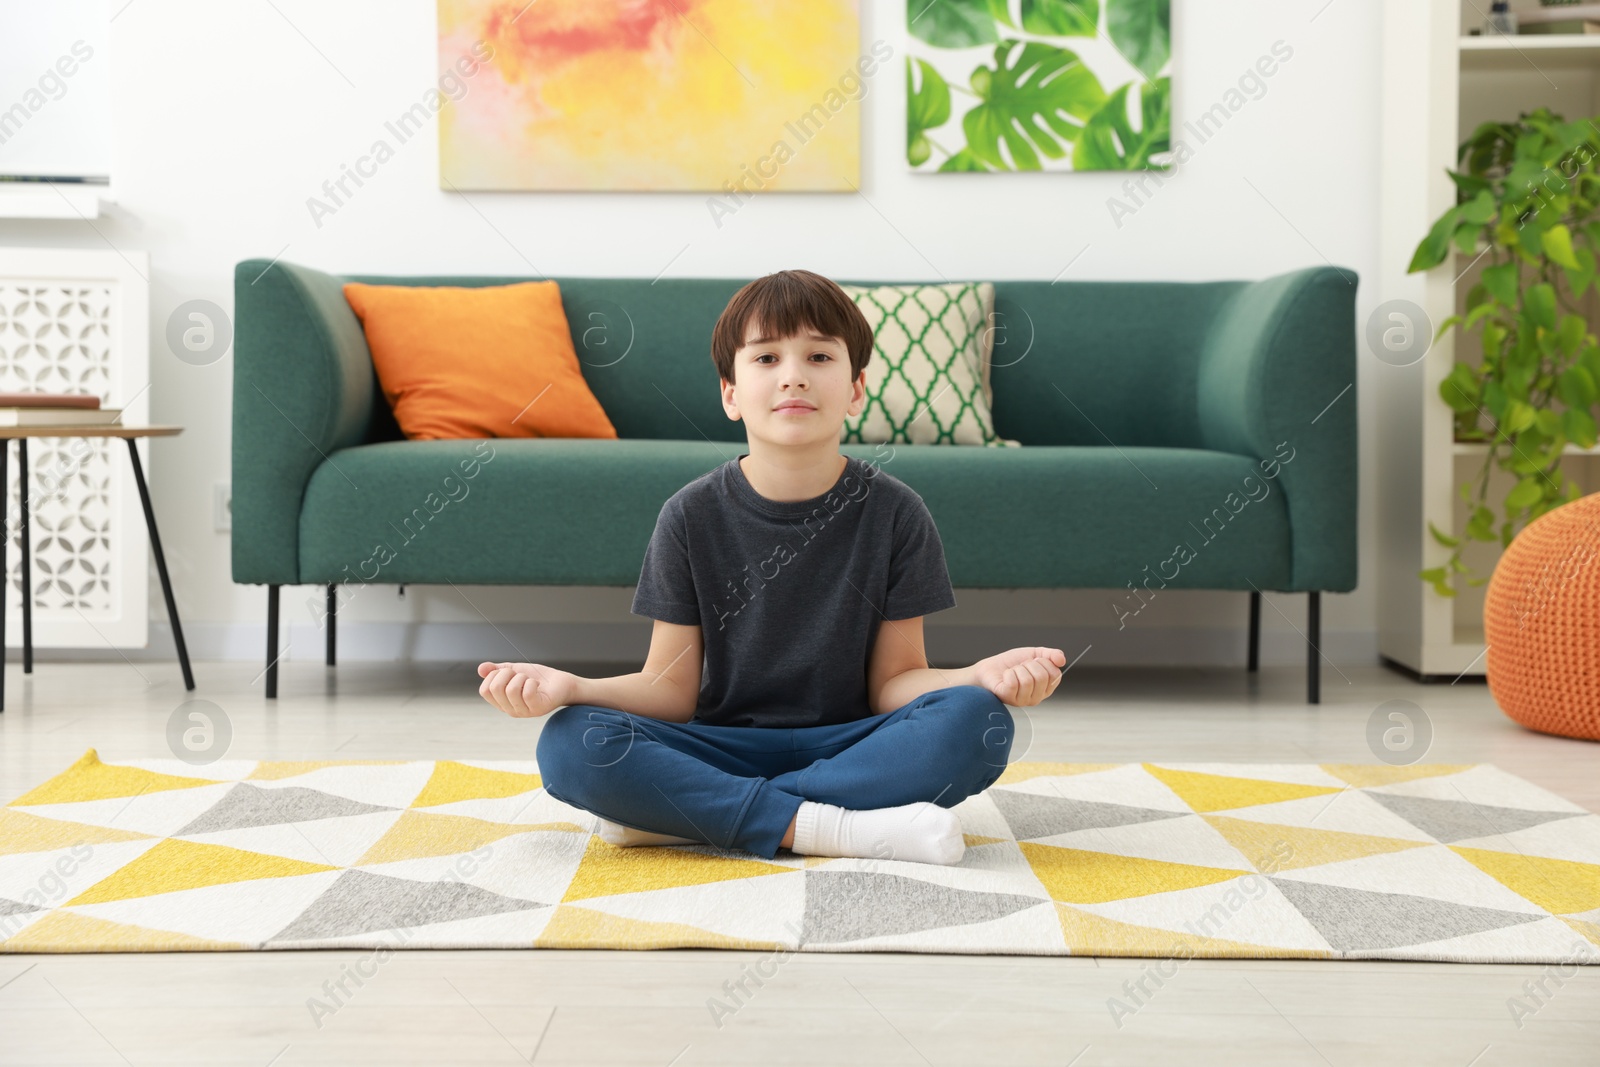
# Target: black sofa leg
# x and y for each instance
(1255, 631)
(333, 618)
(272, 642)
(1313, 640)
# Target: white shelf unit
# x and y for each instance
(53, 200)
(1439, 85)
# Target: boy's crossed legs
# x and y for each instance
(862, 788)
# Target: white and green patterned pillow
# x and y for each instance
(928, 379)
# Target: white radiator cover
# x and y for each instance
(76, 320)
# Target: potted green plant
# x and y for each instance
(1526, 204)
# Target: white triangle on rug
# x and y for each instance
(750, 908)
(55, 877)
(222, 770)
(393, 785)
(249, 911)
(161, 813)
(1351, 812)
(510, 929)
(1293, 773)
(1535, 942)
(1483, 784)
(1021, 931)
(337, 842)
(1187, 839)
(1431, 871)
(537, 865)
(533, 806)
(1562, 839)
(1248, 909)
(1129, 785)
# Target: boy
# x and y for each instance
(799, 576)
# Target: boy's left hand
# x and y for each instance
(1021, 677)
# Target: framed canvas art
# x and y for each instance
(1038, 85)
(715, 95)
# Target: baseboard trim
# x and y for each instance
(626, 642)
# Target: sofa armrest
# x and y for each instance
(303, 384)
(1277, 372)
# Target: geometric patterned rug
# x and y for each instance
(1329, 861)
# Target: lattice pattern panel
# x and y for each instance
(57, 337)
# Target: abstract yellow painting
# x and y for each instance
(724, 96)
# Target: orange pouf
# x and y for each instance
(1541, 621)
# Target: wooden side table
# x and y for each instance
(129, 433)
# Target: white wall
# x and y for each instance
(229, 115)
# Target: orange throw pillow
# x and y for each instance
(496, 361)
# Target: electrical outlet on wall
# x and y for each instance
(222, 506)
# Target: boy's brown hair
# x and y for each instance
(786, 304)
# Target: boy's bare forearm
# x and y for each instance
(907, 686)
(655, 696)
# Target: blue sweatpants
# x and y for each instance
(738, 787)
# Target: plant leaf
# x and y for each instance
(1540, 303)
(951, 23)
(1558, 246)
(1432, 249)
(1109, 143)
(1579, 426)
(1524, 494)
(1480, 209)
(1061, 18)
(1578, 387)
(962, 161)
(929, 105)
(1033, 88)
(1443, 538)
(1501, 281)
(1141, 30)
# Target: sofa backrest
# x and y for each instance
(1074, 363)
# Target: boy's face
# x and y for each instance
(793, 391)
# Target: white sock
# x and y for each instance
(922, 832)
(614, 833)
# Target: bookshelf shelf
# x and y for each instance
(1439, 84)
(53, 200)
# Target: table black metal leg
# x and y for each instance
(27, 560)
(161, 564)
(333, 618)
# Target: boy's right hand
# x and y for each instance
(524, 690)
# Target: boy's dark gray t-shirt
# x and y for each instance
(789, 595)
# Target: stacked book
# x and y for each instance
(1560, 19)
(55, 409)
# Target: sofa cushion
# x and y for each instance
(490, 361)
(928, 378)
(580, 512)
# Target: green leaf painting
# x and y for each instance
(1019, 85)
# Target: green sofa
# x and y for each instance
(1214, 415)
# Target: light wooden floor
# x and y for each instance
(650, 1008)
